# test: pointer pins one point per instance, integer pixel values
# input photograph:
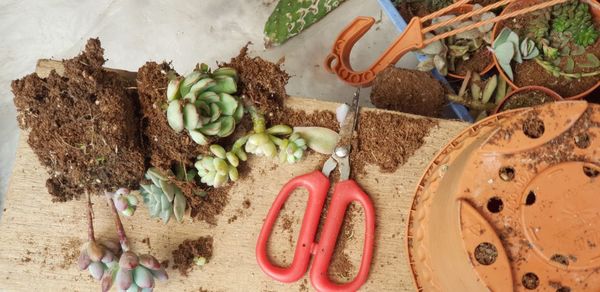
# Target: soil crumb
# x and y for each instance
(165, 145)
(527, 99)
(261, 81)
(403, 90)
(209, 206)
(478, 62)
(183, 257)
(387, 140)
(82, 126)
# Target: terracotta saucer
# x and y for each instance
(512, 203)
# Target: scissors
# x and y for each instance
(345, 192)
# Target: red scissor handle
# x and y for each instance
(345, 192)
(317, 185)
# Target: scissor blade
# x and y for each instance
(349, 124)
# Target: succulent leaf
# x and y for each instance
(175, 116)
(319, 139)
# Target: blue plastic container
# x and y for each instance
(453, 110)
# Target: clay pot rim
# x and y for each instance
(490, 66)
(495, 32)
(546, 90)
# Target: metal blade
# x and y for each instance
(349, 125)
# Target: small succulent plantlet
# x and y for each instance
(202, 103)
(480, 96)
(125, 201)
(292, 148)
(162, 198)
(444, 54)
(217, 169)
(507, 48)
(200, 261)
(291, 17)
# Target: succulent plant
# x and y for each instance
(507, 48)
(291, 17)
(135, 273)
(202, 103)
(538, 27)
(443, 55)
(98, 258)
(216, 170)
(162, 198)
(292, 148)
(125, 201)
(574, 19)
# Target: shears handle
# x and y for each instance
(345, 192)
(317, 185)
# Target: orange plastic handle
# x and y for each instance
(317, 185)
(345, 192)
(338, 61)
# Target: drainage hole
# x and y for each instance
(530, 200)
(582, 140)
(590, 172)
(486, 253)
(530, 281)
(507, 173)
(533, 128)
(495, 205)
(561, 259)
(563, 289)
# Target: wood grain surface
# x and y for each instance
(40, 240)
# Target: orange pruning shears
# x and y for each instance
(345, 192)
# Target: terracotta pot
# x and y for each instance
(461, 10)
(545, 90)
(495, 212)
(595, 9)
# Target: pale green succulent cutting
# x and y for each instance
(217, 169)
(162, 198)
(291, 17)
(202, 103)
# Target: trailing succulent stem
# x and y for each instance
(291, 17)
(202, 103)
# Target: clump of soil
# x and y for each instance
(404, 90)
(526, 99)
(166, 146)
(410, 9)
(387, 140)
(210, 206)
(83, 126)
(183, 257)
(299, 118)
(261, 81)
(531, 73)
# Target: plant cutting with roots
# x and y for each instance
(115, 264)
(480, 96)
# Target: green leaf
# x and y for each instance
(179, 206)
(209, 97)
(570, 65)
(291, 17)
(175, 116)
(505, 53)
(239, 113)
(218, 150)
(168, 189)
(226, 71)
(489, 89)
(224, 84)
(211, 129)
(319, 139)
(227, 126)
(229, 104)
(501, 38)
(188, 82)
(190, 116)
(215, 109)
(198, 137)
(280, 130)
(173, 89)
(202, 85)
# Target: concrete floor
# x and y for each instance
(186, 32)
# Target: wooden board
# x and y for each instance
(40, 240)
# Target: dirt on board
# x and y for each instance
(404, 90)
(260, 81)
(166, 147)
(527, 99)
(531, 73)
(83, 126)
(184, 257)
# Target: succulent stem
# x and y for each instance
(120, 230)
(90, 218)
(472, 104)
(554, 70)
(258, 120)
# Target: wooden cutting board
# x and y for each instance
(40, 240)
